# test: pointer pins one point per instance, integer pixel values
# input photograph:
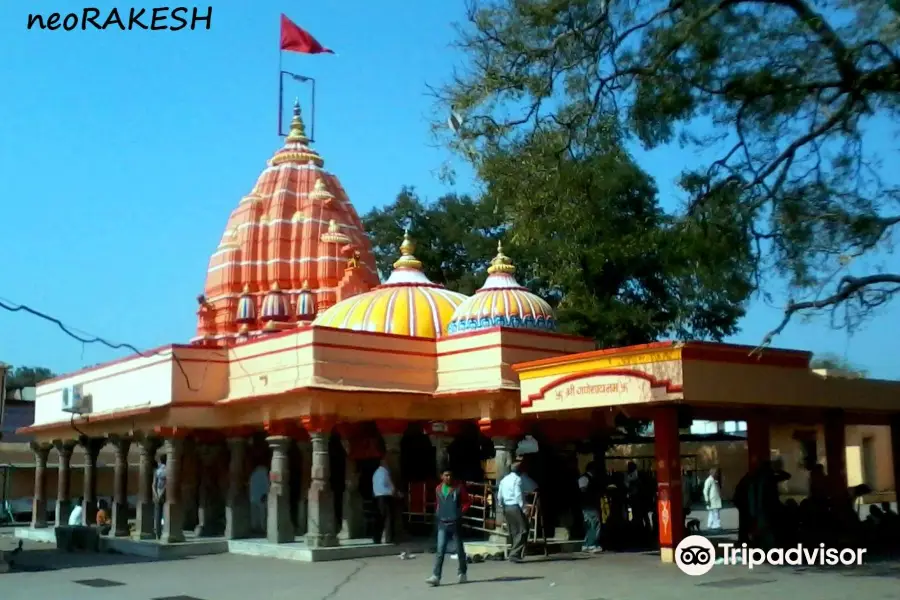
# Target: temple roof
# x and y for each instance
(296, 225)
(502, 302)
(407, 304)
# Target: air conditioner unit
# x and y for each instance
(74, 401)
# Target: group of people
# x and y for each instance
(103, 520)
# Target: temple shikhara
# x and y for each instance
(305, 363)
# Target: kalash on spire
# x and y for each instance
(296, 225)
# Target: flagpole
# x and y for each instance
(280, 90)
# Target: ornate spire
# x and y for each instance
(246, 308)
(298, 129)
(334, 235)
(501, 263)
(320, 192)
(407, 260)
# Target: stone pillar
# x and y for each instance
(320, 528)
(39, 503)
(305, 450)
(92, 447)
(209, 454)
(392, 456)
(279, 529)
(64, 449)
(237, 510)
(836, 453)
(441, 457)
(670, 502)
(147, 446)
(758, 439)
(504, 455)
(120, 496)
(353, 524)
(173, 512)
(189, 475)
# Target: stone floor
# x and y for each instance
(41, 572)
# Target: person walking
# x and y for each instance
(590, 508)
(712, 496)
(511, 500)
(159, 495)
(452, 502)
(385, 493)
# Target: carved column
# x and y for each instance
(392, 456)
(354, 521)
(209, 454)
(147, 446)
(91, 447)
(320, 529)
(279, 529)
(305, 449)
(173, 512)
(39, 504)
(120, 483)
(504, 453)
(237, 510)
(64, 449)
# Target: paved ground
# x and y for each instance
(45, 573)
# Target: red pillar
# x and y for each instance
(758, 439)
(836, 452)
(670, 504)
(895, 453)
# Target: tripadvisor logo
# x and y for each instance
(696, 555)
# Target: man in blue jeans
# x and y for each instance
(588, 486)
(452, 503)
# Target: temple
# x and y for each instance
(305, 363)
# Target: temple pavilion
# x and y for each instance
(304, 362)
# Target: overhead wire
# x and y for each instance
(88, 338)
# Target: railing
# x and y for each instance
(481, 517)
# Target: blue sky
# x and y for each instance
(122, 154)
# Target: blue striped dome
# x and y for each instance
(306, 304)
(275, 305)
(502, 302)
(246, 308)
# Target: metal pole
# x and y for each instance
(312, 129)
(280, 95)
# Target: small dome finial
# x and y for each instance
(407, 260)
(501, 263)
(298, 129)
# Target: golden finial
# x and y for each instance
(275, 287)
(298, 217)
(246, 289)
(333, 226)
(298, 130)
(501, 263)
(320, 191)
(334, 235)
(407, 260)
(244, 330)
(305, 287)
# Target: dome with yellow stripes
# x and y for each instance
(408, 303)
(502, 302)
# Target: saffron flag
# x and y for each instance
(294, 39)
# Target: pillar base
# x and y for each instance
(237, 521)
(63, 510)
(667, 555)
(173, 520)
(119, 519)
(302, 517)
(144, 525)
(321, 540)
(279, 528)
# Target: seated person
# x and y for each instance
(77, 513)
(104, 522)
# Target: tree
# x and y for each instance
(834, 362)
(20, 377)
(456, 237)
(779, 94)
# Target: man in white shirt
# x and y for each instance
(385, 493)
(712, 496)
(511, 500)
(76, 514)
(259, 495)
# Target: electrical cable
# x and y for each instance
(93, 339)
